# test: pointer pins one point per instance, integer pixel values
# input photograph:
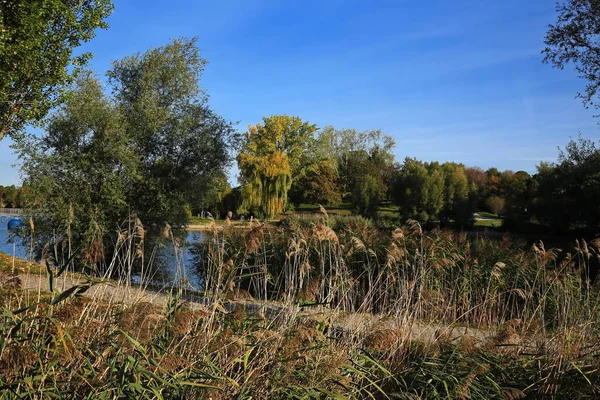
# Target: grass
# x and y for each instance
(333, 308)
(388, 213)
(489, 223)
(487, 214)
(342, 209)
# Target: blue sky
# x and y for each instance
(450, 81)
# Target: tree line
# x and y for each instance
(285, 162)
(14, 196)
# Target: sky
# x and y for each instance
(449, 81)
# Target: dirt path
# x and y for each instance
(346, 323)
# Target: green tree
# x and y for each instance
(496, 204)
(574, 39)
(272, 155)
(478, 186)
(10, 196)
(318, 185)
(364, 174)
(458, 206)
(212, 190)
(37, 39)
(145, 150)
(78, 170)
(517, 190)
(340, 146)
(568, 191)
(419, 190)
(181, 145)
(367, 195)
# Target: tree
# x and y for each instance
(272, 155)
(213, 188)
(180, 142)
(457, 205)
(37, 39)
(318, 185)
(145, 150)
(367, 195)
(574, 39)
(517, 190)
(80, 168)
(433, 192)
(419, 190)
(496, 204)
(8, 196)
(338, 146)
(364, 175)
(568, 191)
(478, 187)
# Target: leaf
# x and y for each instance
(74, 290)
(581, 372)
(64, 295)
(65, 265)
(50, 276)
(197, 384)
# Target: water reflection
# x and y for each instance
(173, 264)
(170, 265)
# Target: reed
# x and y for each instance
(321, 309)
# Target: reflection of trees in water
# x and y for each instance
(164, 263)
(170, 262)
(10, 243)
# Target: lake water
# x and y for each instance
(6, 243)
(167, 263)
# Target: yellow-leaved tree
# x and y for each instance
(272, 154)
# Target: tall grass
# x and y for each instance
(440, 276)
(328, 308)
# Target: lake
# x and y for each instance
(166, 262)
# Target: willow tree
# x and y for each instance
(272, 155)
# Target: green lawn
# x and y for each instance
(487, 214)
(342, 209)
(489, 223)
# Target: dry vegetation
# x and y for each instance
(334, 309)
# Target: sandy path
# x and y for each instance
(346, 323)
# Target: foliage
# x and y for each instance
(574, 39)
(457, 206)
(363, 173)
(78, 170)
(318, 185)
(567, 191)
(37, 40)
(418, 190)
(147, 149)
(433, 192)
(181, 144)
(272, 155)
(351, 152)
(212, 197)
(334, 144)
(495, 204)
(15, 197)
